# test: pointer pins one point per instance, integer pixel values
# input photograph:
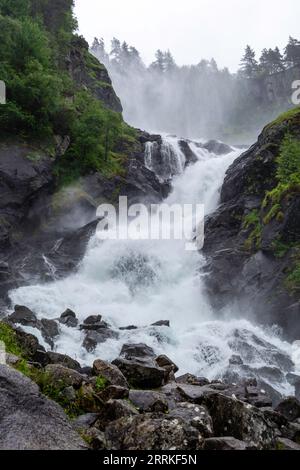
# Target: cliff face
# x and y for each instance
(252, 241)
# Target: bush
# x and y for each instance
(288, 170)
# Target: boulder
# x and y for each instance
(162, 323)
(195, 415)
(148, 401)
(62, 359)
(166, 363)
(114, 410)
(224, 443)
(110, 372)
(94, 323)
(63, 377)
(86, 421)
(192, 380)
(286, 444)
(49, 330)
(23, 316)
(289, 408)
(130, 351)
(152, 432)
(101, 335)
(142, 372)
(219, 148)
(113, 392)
(29, 421)
(69, 318)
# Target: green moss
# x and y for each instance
(293, 279)
(101, 383)
(286, 117)
(252, 222)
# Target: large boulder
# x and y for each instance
(29, 421)
(289, 408)
(110, 372)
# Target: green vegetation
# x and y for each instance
(293, 280)
(42, 98)
(101, 383)
(252, 222)
(9, 338)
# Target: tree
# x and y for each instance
(292, 52)
(271, 61)
(116, 51)
(169, 62)
(98, 49)
(249, 65)
(159, 63)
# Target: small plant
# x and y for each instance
(101, 383)
(252, 221)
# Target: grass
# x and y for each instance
(252, 222)
(9, 338)
(285, 117)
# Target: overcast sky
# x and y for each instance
(192, 29)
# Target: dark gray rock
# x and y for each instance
(224, 443)
(289, 408)
(219, 148)
(68, 318)
(62, 359)
(62, 376)
(195, 415)
(85, 421)
(192, 380)
(286, 444)
(114, 410)
(93, 338)
(49, 330)
(110, 372)
(166, 363)
(148, 401)
(152, 432)
(141, 350)
(113, 392)
(29, 421)
(162, 323)
(23, 316)
(142, 372)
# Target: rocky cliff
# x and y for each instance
(252, 241)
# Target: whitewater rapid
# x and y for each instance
(141, 282)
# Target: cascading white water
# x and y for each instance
(141, 282)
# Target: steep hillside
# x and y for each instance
(253, 239)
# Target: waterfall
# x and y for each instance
(141, 282)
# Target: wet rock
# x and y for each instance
(219, 148)
(68, 318)
(23, 316)
(195, 415)
(60, 375)
(293, 379)
(142, 372)
(29, 344)
(224, 443)
(129, 328)
(166, 363)
(290, 408)
(162, 323)
(68, 394)
(94, 323)
(148, 401)
(236, 360)
(29, 421)
(113, 392)
(93, 338)
(110, 372)
(151, 432)
(190, 157)
(96, 439)
(192, 380)
(49, 330)
(286, 444)
(130, 351)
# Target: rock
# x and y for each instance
(195, 415)
(29, 344)
(114, 410)
(286, 444)
(290, 408)
(62, 376)
(297, 390)
(190, 156)
(96, 439)
(236, 360)
(142, 372)
(152, 432)
(110, 372)
(162, 323)
(49, 330)
(85, 422)
(29, 421)
(232, 417)
(224, 443)
(62, 359)
(219, 148)
(93, 338)
(148, 401)
(192, 380)
(113, 392)
(130, 351)
(23, 316)
(166, 363)
(69, 394)
(68, 318)
(93, 323)
(129, 328)
(293, 379)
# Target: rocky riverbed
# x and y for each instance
(138, 401)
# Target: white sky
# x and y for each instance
(192, 29)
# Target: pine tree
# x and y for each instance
(271, 61)
(159, 63)
(249, 65)
(292, 52)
